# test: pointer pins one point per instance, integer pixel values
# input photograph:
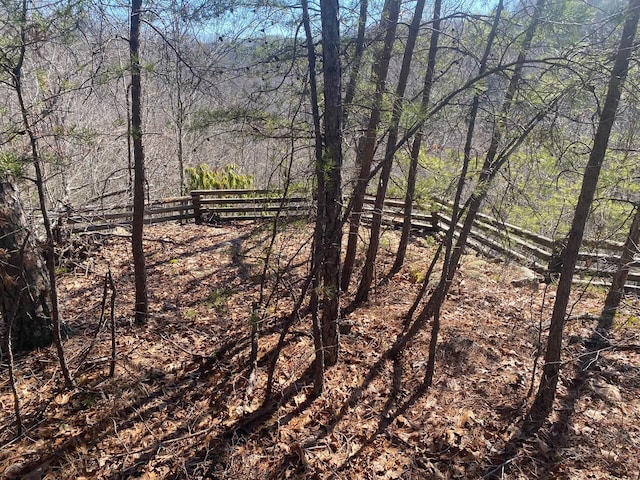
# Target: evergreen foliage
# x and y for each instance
(202, 177)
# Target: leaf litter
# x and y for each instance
(184, 405)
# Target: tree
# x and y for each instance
(367, 144)
(392, 137)
(350, 90)
(493, 161)
(25, 302)
(450, 263)
(616, 289)
(14, 59)
(331, 172)
(318, 237)
(417, 141)
(545, 396)
(140, 274)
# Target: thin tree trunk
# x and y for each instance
(545, 396)
(383, 181)
(417, 142)
(39, 181)
(616, 290)
(367, 144)
(350, 91)
(332, 169)
(180, 120)
(140, 274)
(317, 250)
(450, 262)
(112, 323)
(130, 167)
(493, 162)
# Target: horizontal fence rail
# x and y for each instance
(99, 217)
(597, 261)
(492, 237)
(229, 205)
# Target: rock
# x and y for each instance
(606, 391)
(526, 278)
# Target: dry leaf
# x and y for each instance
(63, 398)
(467, 417)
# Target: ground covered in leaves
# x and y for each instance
(186, 402)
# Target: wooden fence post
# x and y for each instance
(197, 211)
(557, 259)
(435, 220)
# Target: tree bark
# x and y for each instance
(545, 396)
(332, 171)
(350, 91)
(318, 250)
(417, 142)
(49, 254)
(616, 290)
(383, 181)
(140, 274)
(24, 285)
(367, 145)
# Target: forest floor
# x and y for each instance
(184, 403)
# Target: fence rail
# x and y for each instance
(597, 261)
(490, 236)
(99, 217)
(228, 205)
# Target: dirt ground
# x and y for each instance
(185, 402)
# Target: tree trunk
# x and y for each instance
(450, 259)
(27, 124)
(317, 250)
(24, 285)
(545, 396)
(616, 290)
(383, 181)
(140, 274)
(350, 91)
(367, 145)
(332, 171)
(492, 164)
(417, 142)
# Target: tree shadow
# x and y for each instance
(555, 435)
(214, 454)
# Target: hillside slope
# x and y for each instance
(183, 403)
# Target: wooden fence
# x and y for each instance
(230, 205)
(597, 261)
(92, 218)
(490, 236)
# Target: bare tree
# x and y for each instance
(356, 63)
(15, 64)
(318, 237)
(417, 141)
(331, 171)
(367, 144)
(545, 396)
(141, 302)
(392, 137)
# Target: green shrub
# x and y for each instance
(203, 178)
